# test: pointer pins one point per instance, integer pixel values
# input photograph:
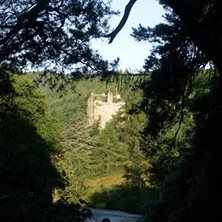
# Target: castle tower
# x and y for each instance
(90, 109)
(109, 97)
(101, 107)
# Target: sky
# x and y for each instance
(130, 52)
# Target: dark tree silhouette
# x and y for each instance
(192, 38)
(52, 33)
(27, 145)
(200, 20)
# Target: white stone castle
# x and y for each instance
(102, 107)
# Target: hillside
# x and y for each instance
(95, 160)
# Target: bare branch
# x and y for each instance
(122, 22)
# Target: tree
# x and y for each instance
(29, 139)
(110, 153)
(74, 163)
(52, 33)
(28, 176)
(189, 186)
(189, 41)
(199, 18)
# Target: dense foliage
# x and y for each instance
(54, 34)
(29, 139)
(182, 99)
(89, 153)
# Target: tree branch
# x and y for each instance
(122, 22)
(26, 20)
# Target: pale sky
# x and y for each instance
(130, 52)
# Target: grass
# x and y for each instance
(101, 183)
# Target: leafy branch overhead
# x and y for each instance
(198, 19)
(46, 32)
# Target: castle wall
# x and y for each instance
(90, 110)
(100, 111)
